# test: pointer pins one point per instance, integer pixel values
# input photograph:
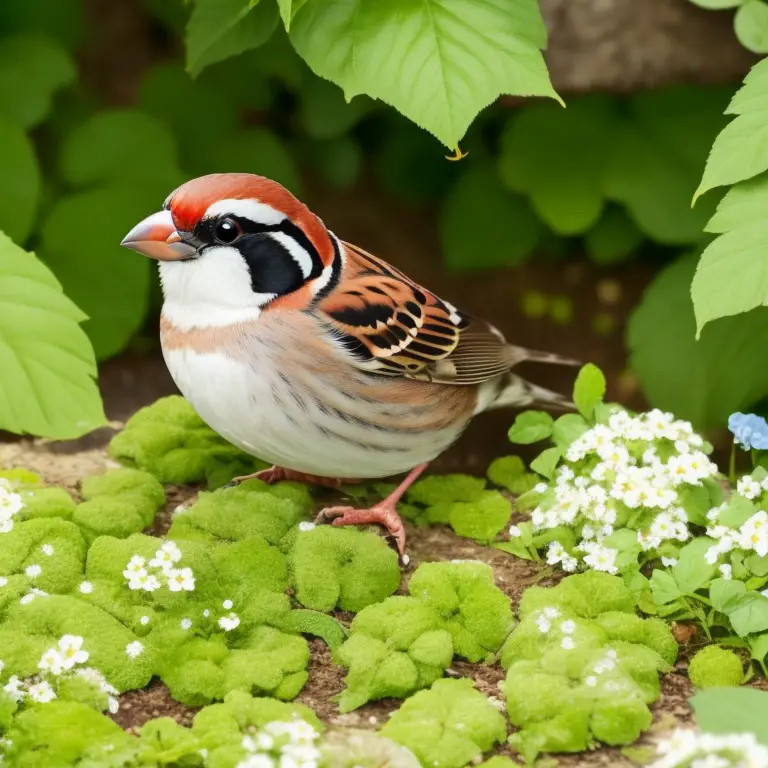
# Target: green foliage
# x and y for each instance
(482, 518)
(395, 648)
(751, 26)
(450, 725)
(714, 667)
(705, 380)
(48, 366)
(344, 568)
(589, 390)
(531, 427)
(509, 472)
(20, 177)
(475, 611)
(169, 440)
(733, 710)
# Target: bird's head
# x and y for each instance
(237, 240)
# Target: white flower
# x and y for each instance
(186, 623)
(15, 688)
(748, 487)
(543, 624)
(567, 643)
(41, 692)
(591, 681)
(135, 568)
(33, 571)
(51, 661)
(726, 572)
(3, 581)
(144, 620)
(669, 562)
(542, 487)
(305, 526)
(568, 627)
(206, 613)
(227, 605)
(10, 505)
(180, 579)
(754, 533)
(229, 622)
(145, 581)
(134, 649)
(70, 647)
(602, 559)
(570, 564)
(257, 761)
(47, 549)
(166, 556)
(86, 587)
(551, 612)
(32, 594)
(515, 532)
(555, 553)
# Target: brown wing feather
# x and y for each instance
(394, 326)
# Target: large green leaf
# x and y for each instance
(119, 145)
(741, 150)
(439, 62)
(483, 225)
(558, 159)
(706, 380)
(657, 158)
(47, 386)
(733, 710)
(751, 26)
(32, 69)
(19, 182)
(744, 203)
(218, 29)
(81, 243)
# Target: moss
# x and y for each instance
(169, 440)
(445, 489)
(715, 667)
(450, 725)
(251, 509)
(473, 609)
(483, 517)
(25, 551)
(47, 502)
(162, 741)
(509, 472)
(118, 503)
(395, 648)
(342, 567)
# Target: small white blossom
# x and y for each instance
(41, 692)
(86, 587)
(305, 526)
(144, 620)
(31, 595)
(726, 571)
(748, 488)
(15, 688)
(166, 556)
(70, 648)
(51, 661)
(33, 571)
(567, 643)
(515, 532)
(229, 622)
(669, 562)
(134, 649)
(47, 549)
(568, 627)
(227, 605)
(591, 681)
(180, 579)
(186, 623)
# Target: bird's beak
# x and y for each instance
(158, 238)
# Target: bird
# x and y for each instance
(311, 353)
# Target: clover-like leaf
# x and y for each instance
(19, 181)
(437, 63)
(47, 386)
(751, 26)
(531, 427)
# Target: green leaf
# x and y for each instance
(664, 588)
(120, 145)
(733, 710)
(530, 427)
(436, 62)
(714, 5)
(323, 110)
(514, 547)
(751, 26)
(218, 29)
(759, 647)
(744, 203)
(751, 615)
(60, 19)
(614, 238)
(483, 225)
(692, 571)
(725, 594)
(546, 462)
(47, 387)
(25, 99)
(741, 149)
(732, 275)
(589, 390)
(657, 159)
(81, 243)
(19, 182)
(558, 160)
(703, 381)
(568, 428)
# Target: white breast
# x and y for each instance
(251, 406)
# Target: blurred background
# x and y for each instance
(571, 230)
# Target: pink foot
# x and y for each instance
(277, 474)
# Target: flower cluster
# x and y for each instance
(10, 505)
(282, 745)
(161, 568)
(749, 431)
(690, 749)
(626, 474)
(55, 665)
(747, 531)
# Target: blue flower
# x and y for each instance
(749, 430)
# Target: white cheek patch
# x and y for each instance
(250, 209)
(299, 254)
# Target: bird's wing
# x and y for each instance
(393, 326)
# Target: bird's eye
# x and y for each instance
(227, 231)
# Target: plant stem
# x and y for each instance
(732, 465)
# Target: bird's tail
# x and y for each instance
(519, 393)
(516, 355)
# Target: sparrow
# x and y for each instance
(311, 353)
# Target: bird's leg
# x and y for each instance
(384, 513)
(276, 474)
